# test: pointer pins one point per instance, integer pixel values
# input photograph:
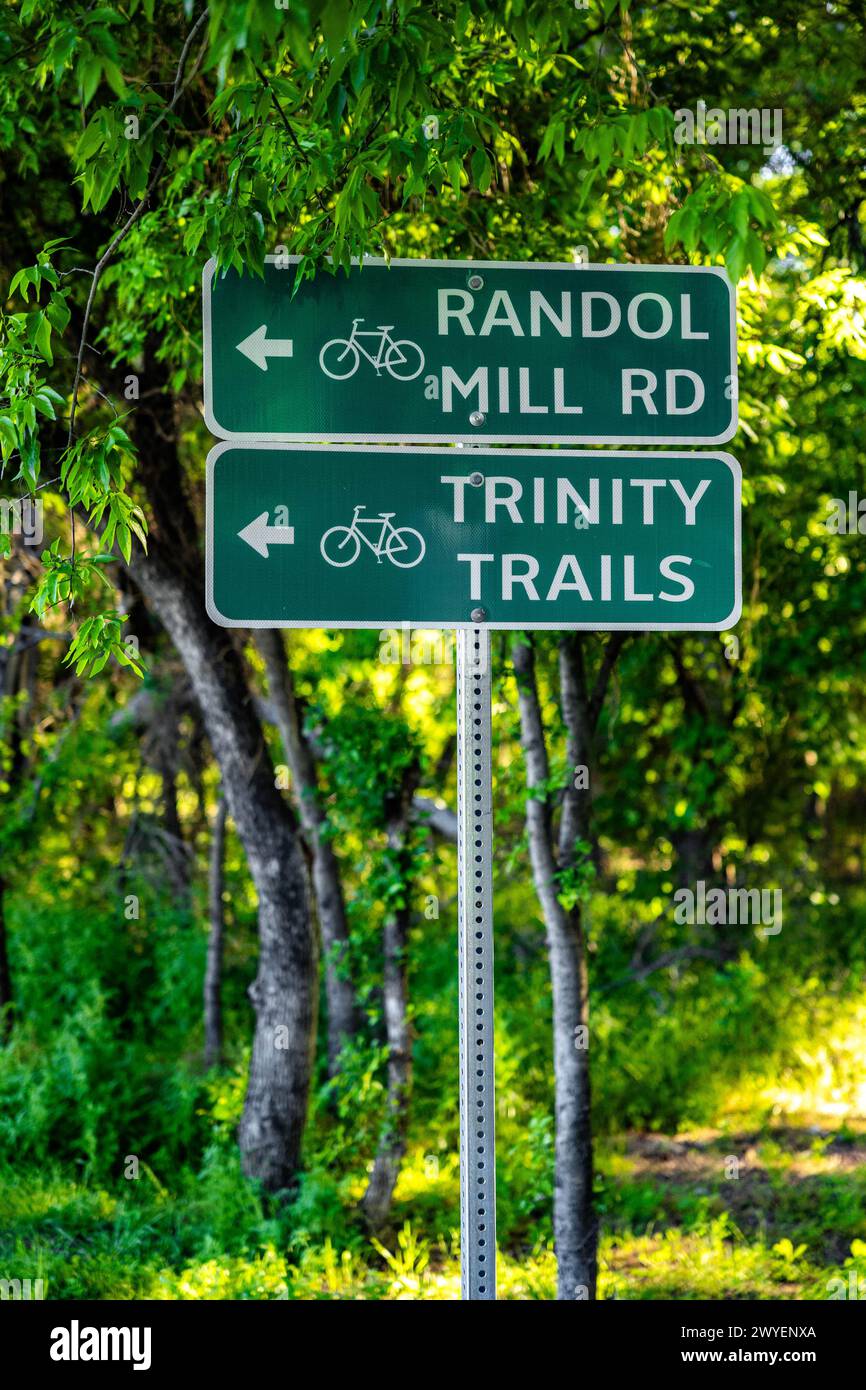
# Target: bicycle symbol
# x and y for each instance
(392, 542)
(398, 358)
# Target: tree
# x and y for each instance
(327, 884)
(213, 1020)
(562, 869)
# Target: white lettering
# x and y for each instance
(689, 503)
(668, 572)
(510, 578)
(686, 315)
(566, 493)
(648, 485)
(586, 301)
(631, 596)
(671, 392)
(475, 562)
(509, 502)
(477, 382)
(568, 565)
(461, 313)
(459, 485)
(501, 299)
(538, 305)
(559, 406)
(526, 406)
(644, 393)
(667, 316)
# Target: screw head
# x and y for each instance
(478, 615)
(476, 479)
(475, 282)
(477, 418)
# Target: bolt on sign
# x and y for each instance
(496, 351)
(344, 537)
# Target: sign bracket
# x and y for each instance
(475, 956)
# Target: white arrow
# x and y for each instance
(260, 535)
(258, 347)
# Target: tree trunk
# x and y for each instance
(177, 854)
(213, 1019)
(284, 991)
(574, 1222)
(577, 1238)
(327, 884)
(376, 1202)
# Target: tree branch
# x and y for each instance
(662, 962)
(538, 811)
(693, 696)
(613, 647)
(266, 82)
(574, 820)
(120, 236)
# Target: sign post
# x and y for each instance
(472, 352)
(473, 540)
(475, 963)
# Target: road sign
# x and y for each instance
(493, 351)
(349, 537)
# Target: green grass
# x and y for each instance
(676, 1225)
(731, 1138)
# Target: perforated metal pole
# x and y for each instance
(475, 906)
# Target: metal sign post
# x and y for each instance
(343, 537)
(475, 952)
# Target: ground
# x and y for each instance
(774, 1211)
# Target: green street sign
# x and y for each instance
(495, 351)
(344, 537)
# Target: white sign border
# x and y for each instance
(396, 623)
(327, 436)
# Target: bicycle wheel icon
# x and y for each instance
(340, 546)
(405, 547)
(339, 359)
(404, 360)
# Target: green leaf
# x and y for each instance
(738, 214)
(736, 259)
(114, 77)
(8, 437)
(89, 73)
(58, 312)
(482, 173)
(757, 256)
(335, 23)
(42, 338)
